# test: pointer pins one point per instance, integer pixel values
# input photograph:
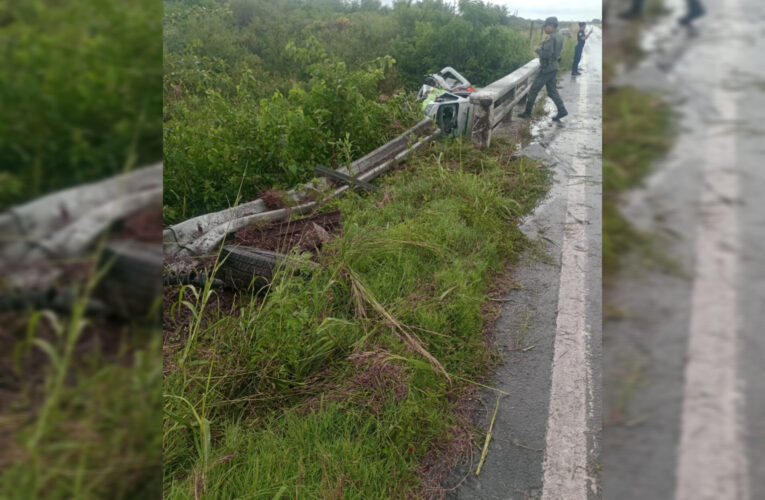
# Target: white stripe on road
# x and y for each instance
(565, 462)
(711, 463)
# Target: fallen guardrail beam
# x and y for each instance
(67, 222)
(202, 234)
(495, 102)
(43, 239)
(347, 179)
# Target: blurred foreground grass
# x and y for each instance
(80, 100)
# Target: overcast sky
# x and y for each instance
(565, 10)
(569, 10)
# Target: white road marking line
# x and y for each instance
(565, 462)
(711, 463)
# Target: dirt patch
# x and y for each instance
(308, 234)
(375, 380)
(273, 199)
(144, 226)
(177, 318)
(453, 448)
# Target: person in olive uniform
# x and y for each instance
(549, 55)
(581, 37)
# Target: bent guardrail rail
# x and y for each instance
(65, 223)
(495, 102)
(202, 234)
(43, 239)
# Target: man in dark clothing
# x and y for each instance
(695, 9)
(549, 55)
(581, 37)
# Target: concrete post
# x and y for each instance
(483, 106)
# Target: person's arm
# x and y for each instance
(588, 34)
(545, 50)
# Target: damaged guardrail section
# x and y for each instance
(201, 235)
(493, 103)
(46, 238)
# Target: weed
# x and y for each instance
(85, 424)
(637, 129)
(340, 383)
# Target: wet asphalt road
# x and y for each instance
(684, 365)
(547, 431)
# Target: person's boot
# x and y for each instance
(561, 114)
(526, 113)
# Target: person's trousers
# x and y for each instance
(636, 7)
(577, 58)
(548, 79)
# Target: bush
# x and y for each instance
(213, 144)
(244, 105)
(79, 104)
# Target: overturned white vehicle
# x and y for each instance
(445, 97)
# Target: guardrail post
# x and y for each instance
(484, 108)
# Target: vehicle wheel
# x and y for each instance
(132, 285)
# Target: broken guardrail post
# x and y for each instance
(495, 102)
(483, 107)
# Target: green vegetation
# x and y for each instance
(80, 100)
(259, 91)
(80, 93)
(637, 130)
(335, 384)
(81, 418)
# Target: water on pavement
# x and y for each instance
(546, 434)
(684, 362)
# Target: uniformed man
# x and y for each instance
(549, 56)
(581, 37)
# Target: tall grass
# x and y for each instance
(637, 130)
(84, 423)
(337, 384)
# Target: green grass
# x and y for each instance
(637, 130)
(335, 385)
(84, 421)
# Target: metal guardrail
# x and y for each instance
(202, 234)
(495, 102)
(43, 240)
